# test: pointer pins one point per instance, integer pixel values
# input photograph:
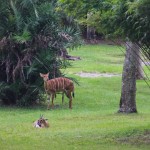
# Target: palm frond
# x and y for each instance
(23, 38)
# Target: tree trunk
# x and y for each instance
(128, 94)
(90, 30)
(139, 70)
(90, 33)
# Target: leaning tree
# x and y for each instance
(31, 37)
(130, 21)
(132, 18)
(126, 19)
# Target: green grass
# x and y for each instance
(98, 58)
(93, 123)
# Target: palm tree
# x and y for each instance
(134, 20)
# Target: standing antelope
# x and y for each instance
(55, 85)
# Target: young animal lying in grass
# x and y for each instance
(41, 123)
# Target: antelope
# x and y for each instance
(41, 123)
(56, 85)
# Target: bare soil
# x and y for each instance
(137, 139)
(95, 74)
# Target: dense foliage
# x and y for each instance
(32, 36)
(118, 18)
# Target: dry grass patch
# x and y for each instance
(136, 139)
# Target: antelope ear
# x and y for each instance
(41, 116)
(48, 73)
(41, 74)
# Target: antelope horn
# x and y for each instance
(41, 116)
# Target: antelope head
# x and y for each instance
(45, 76)
(43, 122)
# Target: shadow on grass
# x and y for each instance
(142, 138)
(41, 107)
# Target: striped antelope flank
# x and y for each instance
(56, 85)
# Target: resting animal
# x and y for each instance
(41, 123)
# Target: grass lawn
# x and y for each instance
(93, 123)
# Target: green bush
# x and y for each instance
(31, 38)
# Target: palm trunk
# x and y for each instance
(90, 30)
(139, 69)
(128, 94)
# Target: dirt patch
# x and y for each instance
(101, 41)
(146, 63)
(137, 139)
(95, 74)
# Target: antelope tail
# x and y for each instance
(73, 94)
